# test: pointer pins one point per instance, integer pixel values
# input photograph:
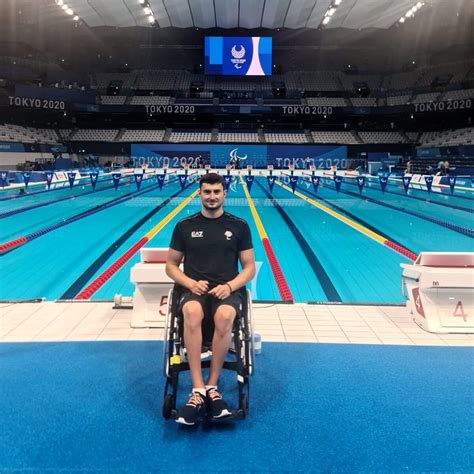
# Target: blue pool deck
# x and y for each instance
(333, 324)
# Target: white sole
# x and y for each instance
(182, 421)
(223, 414)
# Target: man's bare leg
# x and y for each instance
(223, 321)
(193, 316)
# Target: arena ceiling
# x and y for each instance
(249, 14)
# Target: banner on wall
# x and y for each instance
(239, 156)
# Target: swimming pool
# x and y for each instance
(329, 246)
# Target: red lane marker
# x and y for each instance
(400, 249)
(282, 285)
(6, 247)
(87, 292)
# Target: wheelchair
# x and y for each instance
(240, 358)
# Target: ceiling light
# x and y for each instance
(142, 2)
(151, 19)
(402, 19)
(60, 2)
(147, 10)
(64, 7)
(69, 11)
(330, 12)
(337, 2)
(326, 20)
(76, 18)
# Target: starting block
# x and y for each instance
(152, 286)
(439, 288)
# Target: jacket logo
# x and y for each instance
(228, 234)
(197, 233)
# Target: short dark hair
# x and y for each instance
(211, 178)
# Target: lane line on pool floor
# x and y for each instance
(280, 280)
(54, 201)
(448, 225)
(356, 226)
(19, 241)
(92, 269)
(319, 271)
(107, 274)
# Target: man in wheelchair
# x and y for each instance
(211, 242)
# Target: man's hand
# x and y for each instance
(200, 287)
(221, 292)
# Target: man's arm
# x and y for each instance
(177, 275)
(247, 260)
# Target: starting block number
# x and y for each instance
(163, 305)
(459, 312)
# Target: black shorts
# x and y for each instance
(210, 303)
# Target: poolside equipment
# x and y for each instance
(439, 288)
(152, 286)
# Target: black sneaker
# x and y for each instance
(195, 408)
(218, 407)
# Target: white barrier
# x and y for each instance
(439, 287)
(152, 285)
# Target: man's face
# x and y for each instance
(212, 196)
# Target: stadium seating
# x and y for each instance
(112, 99)
(327, 101)
(398, 100)
(348, 138)
(364, 101)
(239, 137)
(94, 135)
(382, 137)
(150, 100)
(285, 137)
(459, 94)
(142, 136)
(191, 137)
(17, 133)
(460, 136)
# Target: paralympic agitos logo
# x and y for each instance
(238, 56)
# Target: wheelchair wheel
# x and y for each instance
(168, 406)
(243, 404)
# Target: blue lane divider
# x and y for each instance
(53, 201)
(81, 215)
(420, 198)
(62, 188)
(448, 225)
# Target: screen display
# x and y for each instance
(238, 55)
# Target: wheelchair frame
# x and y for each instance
(175, 358)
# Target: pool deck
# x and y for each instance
(333, 324)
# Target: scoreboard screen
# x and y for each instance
(238, 55)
